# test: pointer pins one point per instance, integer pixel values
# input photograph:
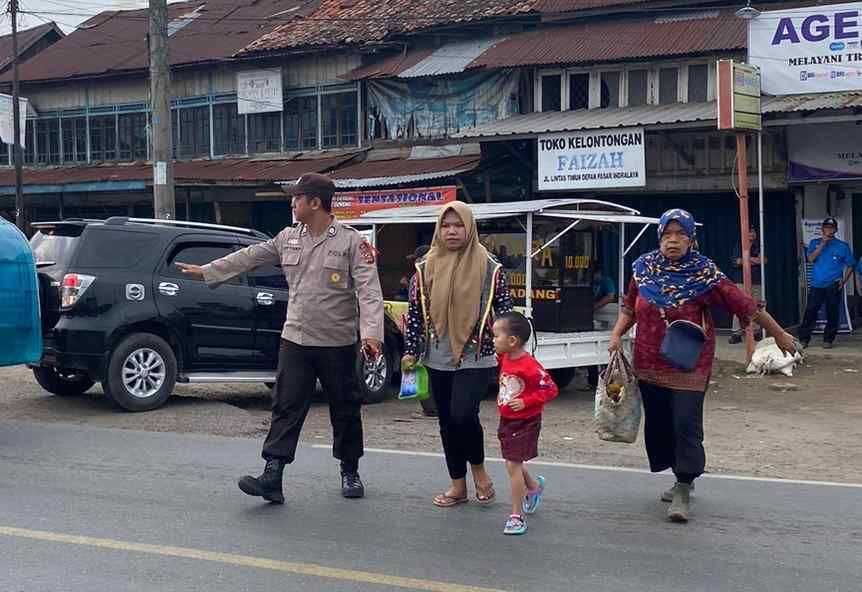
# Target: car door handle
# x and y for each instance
(169, 289)
(265, 299)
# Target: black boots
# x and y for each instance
(268, 485)
(351, 484)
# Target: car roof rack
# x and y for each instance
(185, 224)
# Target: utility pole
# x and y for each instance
(164, 201)
(20, 210)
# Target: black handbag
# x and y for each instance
(683, 342)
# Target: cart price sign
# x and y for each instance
(350, 205)
(602, 159)
(738, 96)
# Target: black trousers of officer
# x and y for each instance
(299, 368)
(816, 298)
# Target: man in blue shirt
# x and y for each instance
(604, 289)
(828, 256)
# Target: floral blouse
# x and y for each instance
(414, 338)
(649, 366)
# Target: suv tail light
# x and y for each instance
(74, 286)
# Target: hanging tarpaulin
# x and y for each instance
(442, 105)
(7, 124)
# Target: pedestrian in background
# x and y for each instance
(457, 290)
(332, 276)
(675, 282)
(828, 256)
(756, 280)
(525, 387)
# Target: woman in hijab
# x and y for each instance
(457, 289)
(677, 283)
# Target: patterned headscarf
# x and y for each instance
(669, 284)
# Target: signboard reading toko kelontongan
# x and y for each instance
(811, 49)
(602, 159)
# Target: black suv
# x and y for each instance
(116, 310)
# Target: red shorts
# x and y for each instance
(519, 438)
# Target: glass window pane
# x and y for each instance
(610, 90)
(637, 87)
(264, 132)
(103, 138)
(698, 77)
(48, 141)
(552, 93)
(668, 85)
(29, 149)
(194, 131)
(228, 129)
(339, 120)
(133, 136)
(579, 91)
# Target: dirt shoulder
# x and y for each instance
(813, 433)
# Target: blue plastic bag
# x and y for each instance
(20, 320)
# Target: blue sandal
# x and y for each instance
(534, 497)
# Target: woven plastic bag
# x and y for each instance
(617, 414)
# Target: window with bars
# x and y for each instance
(75, 139)
(29, 150)
(264, 132)
(103, 138)
(579, 91)
(194, 131)
(698, 83)
(300, 123)
(340, 121)
(48, 141)
(133, 136)
(610, 90)
(228, 130)
(668, 86)
(552, 91)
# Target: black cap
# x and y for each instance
(830, 222)
(420, 252)
(313, 185)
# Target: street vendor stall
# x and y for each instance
(552, 285)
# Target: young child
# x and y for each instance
(525, 387)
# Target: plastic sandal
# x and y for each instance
(445, 500)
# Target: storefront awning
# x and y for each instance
(648, 116)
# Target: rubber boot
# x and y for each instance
(268, 484)
(667, 496)
(351, 484)
(678, 510)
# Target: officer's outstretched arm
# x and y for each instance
(222, 270)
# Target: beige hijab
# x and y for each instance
(454, 280)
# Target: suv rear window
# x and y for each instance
(54, 246)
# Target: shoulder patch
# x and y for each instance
(367, 252)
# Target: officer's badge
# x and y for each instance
(335, 278)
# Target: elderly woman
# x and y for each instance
(674, 283)
(457, 289)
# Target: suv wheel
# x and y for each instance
(65, 383)
(374, 377)
(142, 373)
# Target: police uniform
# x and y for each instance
(330, 278)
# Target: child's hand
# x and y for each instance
(517, 404)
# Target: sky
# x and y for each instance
(66, 13)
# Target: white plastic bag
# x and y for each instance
(618, 412)
(768, 359)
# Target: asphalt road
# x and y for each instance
(95, 509)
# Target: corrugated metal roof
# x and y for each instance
(800, 103)
(566, 121)
(204, 172)
(451, 58)
(116, 41)
(620, 39)
(361, 22)
(557, 6)
(26, 40)
(374, 173)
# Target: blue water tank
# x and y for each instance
(20, 325)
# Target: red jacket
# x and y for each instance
(524, 379)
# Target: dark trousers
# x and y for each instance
(816, 298)
(457, 395)
(299, 368)
(673, 430)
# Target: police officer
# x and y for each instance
(829, 256)
(331, 273)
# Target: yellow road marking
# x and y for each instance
(306, 569)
